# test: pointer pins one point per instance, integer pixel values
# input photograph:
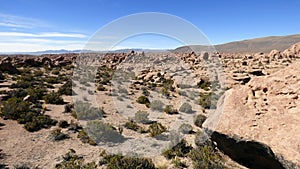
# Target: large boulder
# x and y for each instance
(8, 67)
(266, 110)
(293, 51)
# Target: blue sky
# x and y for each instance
(36, 25)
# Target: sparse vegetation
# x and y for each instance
(169, 109)
(72, 161)
(143, 100)
(126, 162)
(156, 129)
(57, 135)
(206, 157)
(134, 126)
(84, 111)
(53, 98)
(83, 136)
(208, 100)
(179, 150)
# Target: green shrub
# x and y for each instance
(127, 162)
(103, 132)
(55, 71)
(169, 109)
(134, 126)
(84, 111)
(157, 105)
(165, 92)
(14, 108)
(179, 150)
(63, 124)
(39, 122)
(178, 163)
(205, 85)
(186, 128)
(206, 158)
(186, 108)
(83, 136)
(141, 117)
(57, 135)
(52, 80)
(73, 161)
(208, 100)
(66, 89)
(199, 120)
(156, 129)
(53, 98)
(143, 100)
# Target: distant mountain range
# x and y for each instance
(264, 44)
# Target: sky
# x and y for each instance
(38, 25)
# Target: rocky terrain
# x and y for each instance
(155, 110)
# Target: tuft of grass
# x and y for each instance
(156, 129)
(169, 109)
(179, 150)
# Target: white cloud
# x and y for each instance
(7, 20)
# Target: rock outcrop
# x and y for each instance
(266, 110)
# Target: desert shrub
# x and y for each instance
(22, 84)
(17, 93)
(39, 122)
(127, 162)
(101, 88)
(186, 108)
(199, 120)
(53, 98)
(72, 161)
(141, 117)
(52, 80)
(36, 93)
(156, 129)
(165, 92)
(186, 128)
(103, 132)
(206, 158)
(157, 105)
(66, 88)
(57, 135)
(13, 108)
(143, 100)
(178, 163)
(83, 136)
(63, 124)
(168, 84)
(55, 71)
(169, 109)
(85, 111)
(75, 127)
(134, 126)
(180, 150)
(205, 85)
(145, 91)
(208, 100)
(68, 108)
